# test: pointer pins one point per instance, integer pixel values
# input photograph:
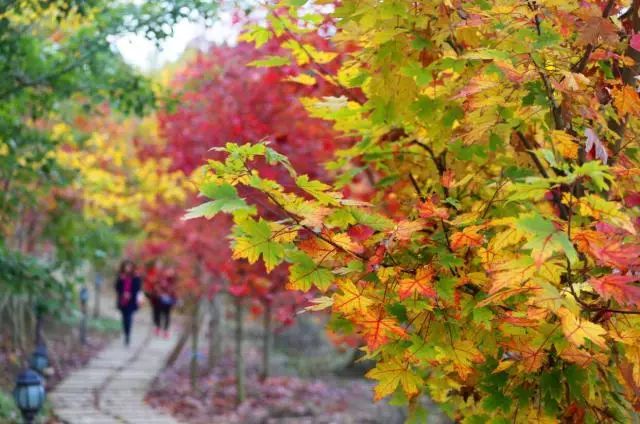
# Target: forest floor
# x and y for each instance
(308, 385)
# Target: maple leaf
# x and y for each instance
(377, 327)
(626, 100)
(577, 330)
(545, 239)
(582, 357)
(608, 252)
(462, 355)
(529, 356)
(319, 304)
(391, 374)
(468, 237)
(305, 273)
(618, 287)
(429, 209)
(351, 300)
(595, 29)
(420, 284)
(511, 273)
(254, 239)
(405, 229)
(226, 199)
(593, 142)
(565, 144)
(601, 209)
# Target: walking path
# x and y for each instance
(111, 387)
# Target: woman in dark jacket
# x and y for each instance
(128, 286)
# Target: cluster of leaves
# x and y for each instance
(496, 266)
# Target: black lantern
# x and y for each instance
(29, 394)
(84, 295)
(39, 360)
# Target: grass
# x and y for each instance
(8, 411)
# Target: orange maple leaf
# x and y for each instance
(377, 328)
(421, 283)
(469, 237)
(429, 209)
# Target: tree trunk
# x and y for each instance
(240, 393)
(215, 332)
(266, 341)
(182, 341)
(195, 330)
(96, 295)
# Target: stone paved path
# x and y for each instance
(111, 387)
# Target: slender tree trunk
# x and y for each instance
(266, 341)
(240, 393)
(195, 330)
(215, 332)
(182, 341)
(96, 295)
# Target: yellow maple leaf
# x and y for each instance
(392, 373)
(626, 100)
(351, 300)
(565, 144)
(577, 330)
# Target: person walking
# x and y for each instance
(152, 278)
(128, 287)
(166, 295)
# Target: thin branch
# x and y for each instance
(531, 154)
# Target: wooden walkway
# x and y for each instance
(111, 387)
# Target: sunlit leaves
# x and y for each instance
(254, 239)
(579, 330)
(391, 374)
(545, 239)
(421, 284)
(476, 230)
(225, 199)
(305, 273)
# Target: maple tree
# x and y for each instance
(495, 267)
(257, 104)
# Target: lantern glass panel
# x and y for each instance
(29, 392)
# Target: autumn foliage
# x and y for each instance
(496, 267)
(219, 99)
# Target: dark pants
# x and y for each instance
(162, 315)
(127, 321)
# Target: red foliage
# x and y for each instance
(219, 100)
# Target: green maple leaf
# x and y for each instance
(318, 189)
(225, 200)
(254, 239)
(545, 238)
(304, 273)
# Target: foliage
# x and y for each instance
(495, 267)
(257, 105)
(58, 65)
(24, 274)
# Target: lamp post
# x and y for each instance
(29, 394)
(39, 360)
(84, 297)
